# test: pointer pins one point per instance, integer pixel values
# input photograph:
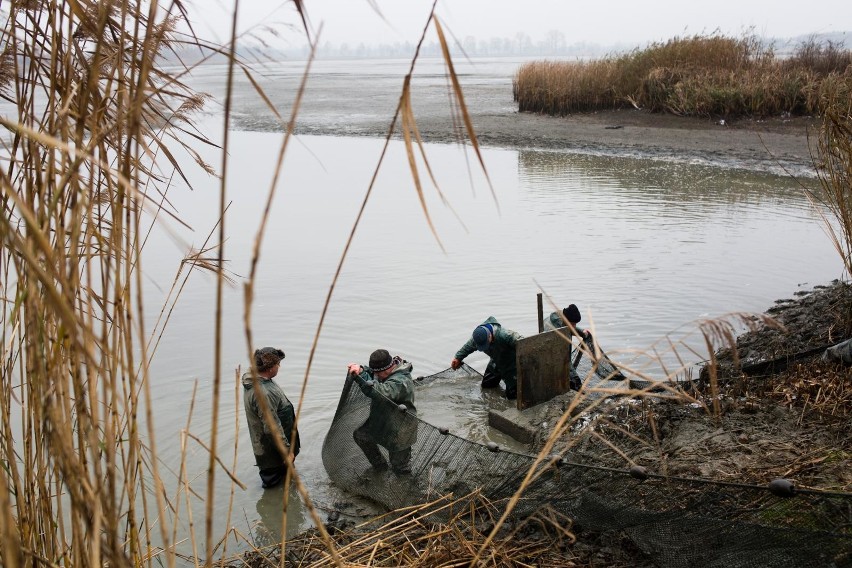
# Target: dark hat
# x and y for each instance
(380, 360)
(267, 357)
(480, 337)
(572, 314)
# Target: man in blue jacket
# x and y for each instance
(500, 345)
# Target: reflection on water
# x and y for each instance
(674, 185)
(273, 519)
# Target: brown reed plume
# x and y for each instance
(95, 115)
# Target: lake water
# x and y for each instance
(644, 248)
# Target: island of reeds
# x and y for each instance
(701, 76)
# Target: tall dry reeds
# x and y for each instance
(697, 76)
(88, 149)
(833, 162)
(85, 151)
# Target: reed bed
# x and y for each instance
(89, 152)
(86, 155)
(704, 76)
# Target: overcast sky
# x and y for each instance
(595, 21)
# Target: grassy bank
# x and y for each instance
(705, 76)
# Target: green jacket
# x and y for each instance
(387, 424)
(262, 437)
(501, 351)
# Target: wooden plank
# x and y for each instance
(542, 367)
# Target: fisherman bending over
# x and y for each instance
(569, 318)
(499, 344)
(388, 384)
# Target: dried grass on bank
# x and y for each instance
(415, 537)
(696, 76)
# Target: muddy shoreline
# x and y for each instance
(778, 145)
(772, 145)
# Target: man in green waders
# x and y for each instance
(500, 345)
(388, 383)
(569, 318)
(259, 391)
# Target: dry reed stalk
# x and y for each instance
(834, 167)
(94, 113)
(220, 270)
(413, 538)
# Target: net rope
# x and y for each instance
(679, 522)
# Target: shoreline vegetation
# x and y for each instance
(87, 164)
(702, 76)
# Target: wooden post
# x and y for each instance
(540, 313)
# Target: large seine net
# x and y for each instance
(684, 523)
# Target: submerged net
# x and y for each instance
(680, 522)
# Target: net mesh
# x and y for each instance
(679, 522)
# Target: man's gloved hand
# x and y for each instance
(355, 369)
(455, 363)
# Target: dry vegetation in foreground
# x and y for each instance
(414, 537)
(99, 132)
(704, 76)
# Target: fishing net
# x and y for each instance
(680, 522)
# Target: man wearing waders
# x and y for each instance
(261, 391)
(499, 344)
(556, 320)
(391, 423)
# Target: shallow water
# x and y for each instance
(644, 248)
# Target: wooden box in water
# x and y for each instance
(542, 367)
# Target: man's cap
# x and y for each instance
(480, 337)
(267, 357)
(380, 360)
(572, 314)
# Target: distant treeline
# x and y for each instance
(553, 44)
(521, 45)
(706, 76)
